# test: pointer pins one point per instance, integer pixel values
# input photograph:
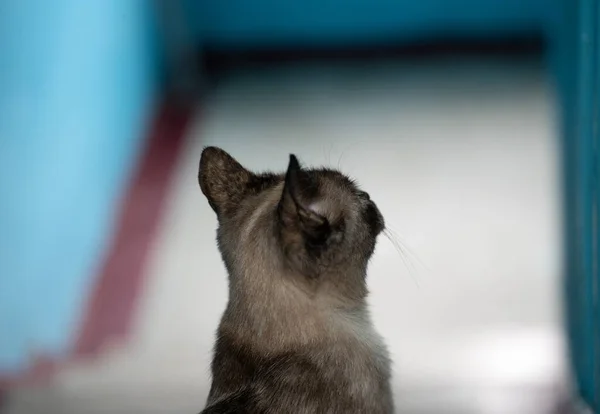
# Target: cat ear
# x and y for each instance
(222, 179)
(299, 193)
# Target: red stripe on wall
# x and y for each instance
(113, 301)
(111, 307)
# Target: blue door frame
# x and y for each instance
(579, 63)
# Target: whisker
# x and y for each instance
(329, 153)
(326, 154)
(402, 251)
(342, 154)
(405, 260)
(339, 163)
(399, 240)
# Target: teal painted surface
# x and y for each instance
(77, 84)
(579, 70)
(243, 23)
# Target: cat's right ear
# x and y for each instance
(222, 179)
(299, 193)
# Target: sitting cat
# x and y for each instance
(296, 336)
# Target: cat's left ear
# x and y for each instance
(222, 179)
(300, 193)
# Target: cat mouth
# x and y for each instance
(374, 219)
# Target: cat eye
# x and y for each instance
(364, 195)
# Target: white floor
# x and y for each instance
(460, 157)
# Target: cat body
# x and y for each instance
(296, 336)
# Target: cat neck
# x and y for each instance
(278, 312)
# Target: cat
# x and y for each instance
(296, 336)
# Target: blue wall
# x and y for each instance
(77, 83)
(242, 23)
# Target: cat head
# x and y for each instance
(311, 222)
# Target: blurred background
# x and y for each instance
(470, 122)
